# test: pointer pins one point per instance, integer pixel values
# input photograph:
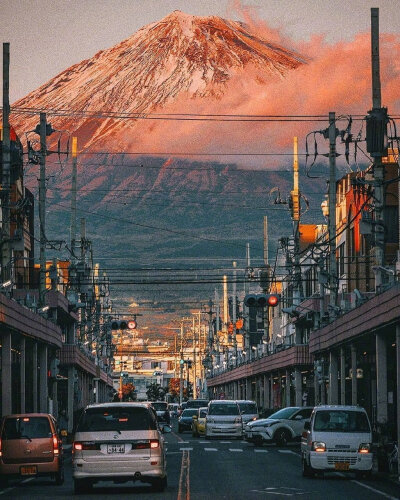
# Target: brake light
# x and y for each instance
(154, 443)
(55, 445)
(78, 446)
(0, 449)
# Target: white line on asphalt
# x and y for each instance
(235, 449)
(186, 449)
(210, 449)
(260, 451)
(203, 442)
(173, 453)
(13, 487)
(226, 442)
(375, 490)
(288, 451)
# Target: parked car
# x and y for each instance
(248, 410)
(196, 403)
(223, 419)
(162, 411)
(337, 438)
(281, 427)
(185, 420)
(119, 442)
(30, 446)
(199, 422)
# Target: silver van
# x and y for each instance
(337, 438)
(223, 419)
(119, 442)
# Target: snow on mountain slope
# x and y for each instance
(180, 55)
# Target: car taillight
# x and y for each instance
(77, 446)
(56, 451)
(154, 443)
(0, 449)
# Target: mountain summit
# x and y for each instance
(178, 55)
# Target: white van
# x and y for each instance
(119, 442)
(337, 438)
(223, 419)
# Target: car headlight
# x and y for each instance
(318, 446)
(364, 448)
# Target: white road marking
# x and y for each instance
(226, 442)
(260, 451)
(186, 449)
(210, 449)
(203, 442)
(374, 490)
(235, 449)
(288, 451)
(7, 490)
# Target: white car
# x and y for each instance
(281, 427)
(223, 419)
(337, 438)
(119, 442)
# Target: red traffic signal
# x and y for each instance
(262, 300)
(132, 324)
(272, 300)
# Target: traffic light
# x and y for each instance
(189, 363)
(261, 300)
(123, 324)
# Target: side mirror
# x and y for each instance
(307, 425)
(166, 429)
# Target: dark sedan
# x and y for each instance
(185, 420)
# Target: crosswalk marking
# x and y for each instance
(260, 451)
(235, 449)
(288, 451)
(226, 442)
(186, 449)
(210, 449)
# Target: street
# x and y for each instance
(221, 469)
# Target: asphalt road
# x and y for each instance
(221, 469)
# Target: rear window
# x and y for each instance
(197, 403)
(160, 406)
(189, 413)
(116, 419)
(26, 427)
(203, 413)
(223, 409)
(248, 408)
(341, 421)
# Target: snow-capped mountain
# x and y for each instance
(180, 55)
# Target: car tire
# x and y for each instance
(282, 437)
(307, 470)
(360, 474)
(60, 476)
(258, 442)
(160, 484)
(81, 486)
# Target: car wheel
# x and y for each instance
(160, 484)
(282, 437)
(60, 476)
(307, 470)
(81, 486)
(361, 474)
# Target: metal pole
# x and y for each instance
(181, 369)
(234, 309)
(194, 359)
(5, 188)
(332, 213)
(376, 78)
(73, 193)
(42, 208)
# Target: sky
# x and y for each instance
(46, 37)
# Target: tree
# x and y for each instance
(155, 392)
(174, 385)
(128, 392)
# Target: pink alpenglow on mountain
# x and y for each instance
(174, 63)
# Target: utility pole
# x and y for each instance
(332, 213)
(6, 185)
(42, 207)
(377, 144)
(295, 199)
(234, 264)
(73, 194)
(181, 362)
(194, 359)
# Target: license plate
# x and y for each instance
(342, 466)
(29, 470)
(115, 448)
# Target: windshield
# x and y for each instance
(341, 421)
(189, 413)
(26, 427)
(284, 414)
(160, 406)
(116, 419)
(223, 409)
(248, 408)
